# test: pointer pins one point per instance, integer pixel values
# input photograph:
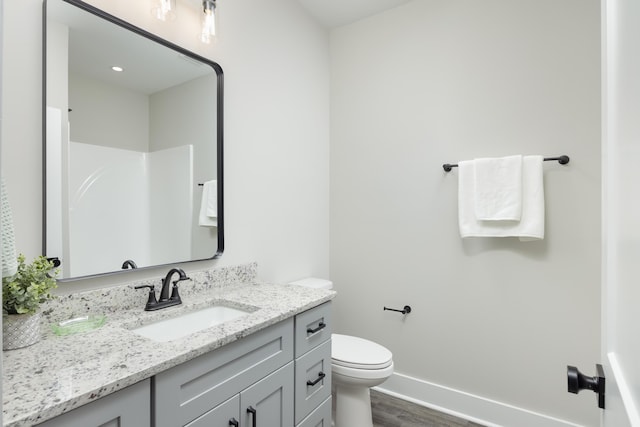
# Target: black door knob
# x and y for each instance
(577, 381)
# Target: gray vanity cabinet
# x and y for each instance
(269, 401)
(268, 376)
(128, 407)
(258, 369)
(276, 377)
(313, 367)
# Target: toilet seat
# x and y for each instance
(377, 375)
(358, 353)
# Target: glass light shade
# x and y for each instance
(208, 32)
(164, 10)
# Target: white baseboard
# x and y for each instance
(464, 405)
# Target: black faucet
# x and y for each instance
(129, 263)
(165, 299)
(166, 283)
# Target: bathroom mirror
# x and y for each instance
(133, 155)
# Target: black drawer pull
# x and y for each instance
(233, 422)
(320, 327)
(251, 410)
(321, 376)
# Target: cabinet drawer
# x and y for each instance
(221, 415)
(313, 380)
(321, 417)
(313, 327)
(187, 391)
(129, 407)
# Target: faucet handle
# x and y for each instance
(180, 279)
(152, 295)
(174, 290)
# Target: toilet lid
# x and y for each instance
(355, 352)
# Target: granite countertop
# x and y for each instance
(59, 374)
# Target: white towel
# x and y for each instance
(498, 188)
(209, 205)
(531, 224)
(9, 259)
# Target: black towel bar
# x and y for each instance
(405, 310)
(563, 160)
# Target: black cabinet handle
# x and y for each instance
(233, 422)
(320, 327)
(251, 410)
(321, 376)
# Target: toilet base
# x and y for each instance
(352, 407)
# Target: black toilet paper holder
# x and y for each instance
(406, 309)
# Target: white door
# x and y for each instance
(621, 212)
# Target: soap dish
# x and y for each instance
(79, 324)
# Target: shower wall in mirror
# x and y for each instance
(133, 146)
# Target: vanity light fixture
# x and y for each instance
(208, 33)
(164, 10)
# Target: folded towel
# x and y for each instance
(9, 258)
(531, 224)
(209, 205)
(498, 188)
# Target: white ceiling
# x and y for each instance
(334, 13)
(96, 44)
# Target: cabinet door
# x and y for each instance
(129, 407)
(224, 415)
(269, 402)
(321, 417)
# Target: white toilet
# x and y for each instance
(357, 365)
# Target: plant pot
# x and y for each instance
(20, 330)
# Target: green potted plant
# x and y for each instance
(22, 295)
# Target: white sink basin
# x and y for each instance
(178, 327)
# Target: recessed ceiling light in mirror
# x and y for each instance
(118, 69)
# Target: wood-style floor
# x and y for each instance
(389, 411)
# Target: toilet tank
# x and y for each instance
(314, 282)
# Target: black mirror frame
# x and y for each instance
(219, 127)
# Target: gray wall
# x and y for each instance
(190, 108)
(439, 81)
(107, 115)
